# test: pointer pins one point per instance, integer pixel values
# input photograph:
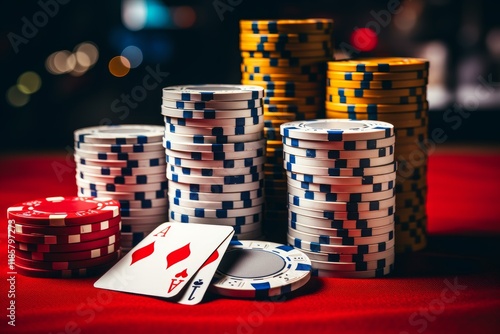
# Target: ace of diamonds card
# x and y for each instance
(168, 259)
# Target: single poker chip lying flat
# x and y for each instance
(337, 130)
(120, 134)
(64, 211)
(260, 269)
(211, 92)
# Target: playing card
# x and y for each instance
(195, 290)
(162, 263)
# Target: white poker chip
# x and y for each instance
(333, 188)
(202, 196)
(342, 145)
(339, 163)
(214, 92)
(323, 222)
(221, 105)
(213, 114)
(327, 171)
(213, 131)
(337, 130)
(341, 215)
(214, 171)
(342, 197)
(117, 148)
(231, 221)
(342, 180)
(120, 134)
(86, 191)
(259, 269)
(206, 123)
(120, 171)
(203, 139)
(339, 154)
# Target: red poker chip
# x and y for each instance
(68, 230)
(68, 256)
(45, 239)
(65, 265)
(41, 248)
(64, 211)
(70, 273)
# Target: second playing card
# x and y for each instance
(165, 260)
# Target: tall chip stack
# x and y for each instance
(215, 148)
(287, 58)
(126, 163)
(391, 90)
(341, 177)
(64, 237)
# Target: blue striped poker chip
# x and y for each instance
(127, 163)
(234, 221)
(120, 134)
(342, 249)
(348, 145)
(226, 180)
(143, 204)
(211, 92)
(337, 130)
(197, 196)
(260, 270)
(130, 195)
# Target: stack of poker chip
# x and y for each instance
(341, 176)
(126, 163)
(287, 58)
(391, 90)
(63, 237)
(214, 149)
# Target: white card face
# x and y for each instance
(167, 259)
(195, 290)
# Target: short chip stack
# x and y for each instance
(63, 237)
(341, 176)
(215, 155)
(126, 163)
(391, 90)
(287, 58)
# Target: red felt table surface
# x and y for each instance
(451, 287)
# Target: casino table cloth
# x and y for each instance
(451, 287)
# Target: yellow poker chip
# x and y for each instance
(396, 123)
(290, 108)
(299, 101)
(289, 117)
(284, 85)
(285, 63)
(376, 107)
(245, 46)
(377, 100)
(313, 77)
(313, 25)
(355, 92)
(386, 117)
(280, 70)
(285, 38)
(389, 64)
(288, 55)
(384, 84)
(377, 76)
(291, 93)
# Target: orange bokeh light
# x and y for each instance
(119, 66)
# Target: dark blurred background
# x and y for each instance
(60, 65)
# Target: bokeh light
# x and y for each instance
(364, 39)
(90, 50)
(119, 66)
(16, 98)
(134, 13)
(133, 54)
(29, 82)
(184, 16)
